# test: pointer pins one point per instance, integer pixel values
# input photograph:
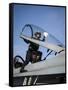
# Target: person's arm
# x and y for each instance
(43, 38)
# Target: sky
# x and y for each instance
(49, 18)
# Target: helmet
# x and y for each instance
(38, 34)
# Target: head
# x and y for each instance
(37, 35)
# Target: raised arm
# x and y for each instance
(43, 39)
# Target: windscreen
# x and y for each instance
(29, 30)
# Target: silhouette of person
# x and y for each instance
(32, 54)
